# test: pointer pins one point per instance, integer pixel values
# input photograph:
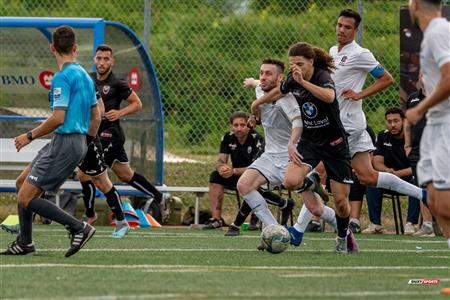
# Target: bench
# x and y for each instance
(9, 155)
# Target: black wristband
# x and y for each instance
(30, 135)
(89, 138)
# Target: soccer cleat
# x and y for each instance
(212, 224)
(89, 220)
(296, 236)
(13, 229)
(354, 227)
(261, 247)
(425, 231)
(16, 248)
(314, 226)
(317, 186)
(79, 239)
(352, 245)
(233, 230)
(374, 229)
(121, 230)
(255, 224)
(341, 245)
(286, 212)
(409, 229)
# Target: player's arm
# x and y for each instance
(440, 93)
(94, 120)
(407, 136)
(250, 83)
(325, 94)
(383, 81)
(378, 164)
(403, 172)
(270, 96)
(134, 105)
(222, 166)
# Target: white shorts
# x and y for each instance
(272, 167)
(360, 141)
(434, 163)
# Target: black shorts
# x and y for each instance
(229, 182)
(93, 163)
(114, 153)
(336, 159)
(357, 190)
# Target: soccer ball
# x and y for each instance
(276, 238)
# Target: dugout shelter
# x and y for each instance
(27, 67)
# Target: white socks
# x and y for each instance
(391, 182)
(303, 219)
(329, 216)
(260, 208)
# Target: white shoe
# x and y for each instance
(409, 229)
(374, 229)
(424, 231)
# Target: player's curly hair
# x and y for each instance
(321, 58)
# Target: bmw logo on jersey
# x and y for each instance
(310, 110)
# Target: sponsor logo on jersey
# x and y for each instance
(56, 94)
(310, 110)
(232, 146)
(34, 178)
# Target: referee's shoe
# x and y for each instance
(79, 239)
(17, 248)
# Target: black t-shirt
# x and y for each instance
(242, 155)
(416, 130)
(392, 149)
(113, 91)
(321, 122)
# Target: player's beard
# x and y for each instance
(106, 71)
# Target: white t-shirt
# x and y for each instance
(353, 63)
(276, 119)
(434, 53)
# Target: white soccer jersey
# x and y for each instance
(276, 119)
(434, 53)
(353, 63)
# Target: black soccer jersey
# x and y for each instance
(392, 149)
(242, 155)
(321, 122)
(113, 91)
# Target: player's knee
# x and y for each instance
(342, 206)
(23, 199)
(368, 179)
(291, 184)
(243, 187)
(124, 177)
(316, 210)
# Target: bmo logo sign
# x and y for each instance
(45, 78)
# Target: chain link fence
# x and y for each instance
(203, 49)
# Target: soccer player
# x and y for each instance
(113, 90)
(93, 167)
(323, 138)
(74, 115)
(433, 169)
(353, 63)
(278, 119)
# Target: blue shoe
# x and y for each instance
(119, 233)
(296, 236)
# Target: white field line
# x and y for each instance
(259, 295)
(136, 234)
(238, 250)
(219, 267)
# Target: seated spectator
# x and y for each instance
(243, 145)
(390, 157)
